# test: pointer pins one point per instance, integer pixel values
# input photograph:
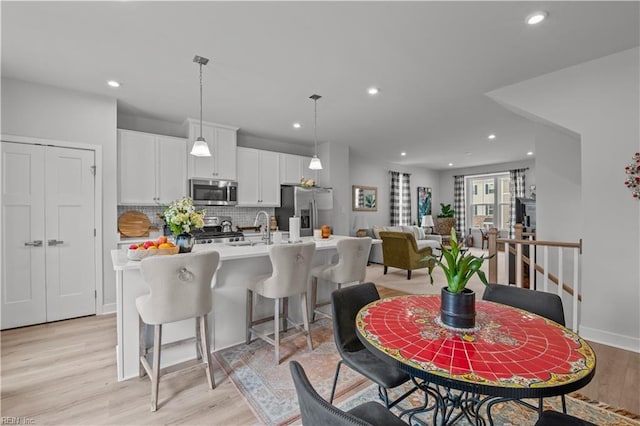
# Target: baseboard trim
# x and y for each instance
(610, 339)
(108, 308)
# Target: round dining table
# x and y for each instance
(510, 354)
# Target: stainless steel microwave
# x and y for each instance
(209, 192)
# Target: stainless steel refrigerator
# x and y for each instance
(308, 204)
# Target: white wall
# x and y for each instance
(39, 111)
(600, 101)
(368, 172)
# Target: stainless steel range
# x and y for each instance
(217, 229)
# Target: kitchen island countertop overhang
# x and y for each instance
(239, 266)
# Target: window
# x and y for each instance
(489, 201)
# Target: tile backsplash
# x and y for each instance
(240, 216)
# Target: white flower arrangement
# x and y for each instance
(181, 216)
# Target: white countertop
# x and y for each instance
(120, 261)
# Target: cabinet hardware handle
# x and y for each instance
(55, 242)
(34, 243)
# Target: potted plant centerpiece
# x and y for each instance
(458, 303)
(181, 216)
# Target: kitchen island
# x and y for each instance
(239, 266)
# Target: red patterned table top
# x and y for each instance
(510, 349)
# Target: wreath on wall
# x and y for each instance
(633, 176)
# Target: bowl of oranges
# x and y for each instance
(161, 246)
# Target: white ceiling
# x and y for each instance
(433, 62)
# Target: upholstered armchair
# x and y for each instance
(399, 250)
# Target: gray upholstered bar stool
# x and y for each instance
(291, 264)
(353, 256)
(180, 289)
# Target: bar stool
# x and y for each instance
(353, 256)
(291, 264)
(180, 289)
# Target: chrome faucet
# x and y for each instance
(267, 228)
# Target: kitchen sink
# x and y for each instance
(244, 243)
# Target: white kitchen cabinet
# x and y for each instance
(293, 168)
(152, 169)
(258, 178)
(222, 141)
(48, 228)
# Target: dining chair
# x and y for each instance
(180, 289)
(541, 303)
(291, 264)
(345, 304)
(353, 256)
(314, 410)
(553, 418)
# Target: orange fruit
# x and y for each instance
(142, 248)
(152, 248)
(164, 245)
(162, 239)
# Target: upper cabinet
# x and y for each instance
(258, 175)
(152, 169)
(293, 168)
(222, 141)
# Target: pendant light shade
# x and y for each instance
(315, 161)
(200, 146)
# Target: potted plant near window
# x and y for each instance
(458, 303)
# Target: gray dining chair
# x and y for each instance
(314, 410)
(541, 303)
(345, 304)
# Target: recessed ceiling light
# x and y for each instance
(450, 164)
(536, 18)
(530, 153)
(113, 83)
(491, 136)
(403, 153)
(297, 125)
(373, 90)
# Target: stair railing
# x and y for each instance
(528, 239)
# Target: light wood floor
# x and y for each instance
(65, 373)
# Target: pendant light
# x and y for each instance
(200, 147)
(315, 161)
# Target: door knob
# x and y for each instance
(54, 242)
(34, 243)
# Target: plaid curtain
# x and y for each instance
(394, 198)
(400, 189)
(516, 187)
(406, 199)
(459, 203)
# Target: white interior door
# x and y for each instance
(70, 222)
(23, 247)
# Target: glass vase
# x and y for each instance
(185, 242)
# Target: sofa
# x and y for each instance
(422, 240)
(399, 250)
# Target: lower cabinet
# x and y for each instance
(48, 228)
(258, 178)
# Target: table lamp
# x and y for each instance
(427, 222)
(361, 226)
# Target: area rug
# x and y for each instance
(511, 413)
(269, 389)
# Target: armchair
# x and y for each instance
(399, 250)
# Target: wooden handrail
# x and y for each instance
(540, 269)
(577, 245)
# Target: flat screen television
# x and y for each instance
(526, 213)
